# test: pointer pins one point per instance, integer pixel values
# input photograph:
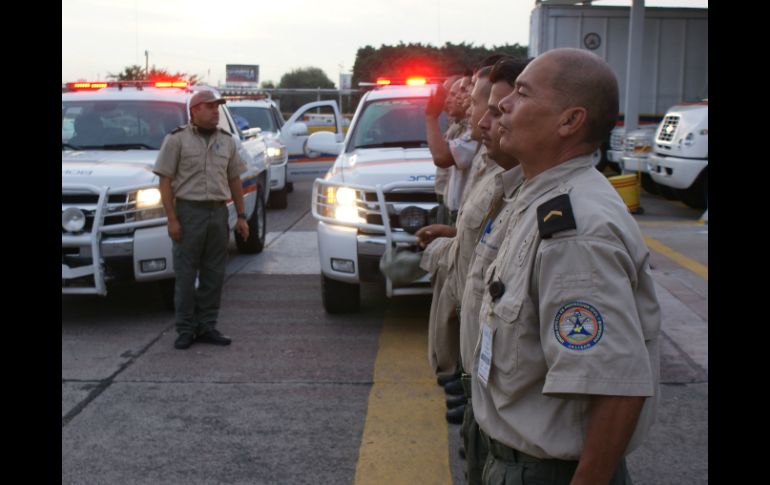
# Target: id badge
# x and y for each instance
(485, 356)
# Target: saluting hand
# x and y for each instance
(436, 102)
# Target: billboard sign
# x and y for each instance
(242, 73)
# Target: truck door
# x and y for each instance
(310, 118)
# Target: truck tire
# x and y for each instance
(256, 241)
(339, 297)
(649, 185)
(278, 198)
(696, 196)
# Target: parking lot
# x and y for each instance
(306, 397)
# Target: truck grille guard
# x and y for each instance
(92, 237)
(320, 207)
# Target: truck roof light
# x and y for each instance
(86, 85)
(383, 82)
(416, 81)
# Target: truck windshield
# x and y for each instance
(392, 123)
(119, 125)
(256, 116)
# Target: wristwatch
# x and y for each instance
(242, 215)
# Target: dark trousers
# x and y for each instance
(506, 466)
(201, 253)
(475, 446)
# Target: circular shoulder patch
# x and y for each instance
(578, 326)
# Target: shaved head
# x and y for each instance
(584, 79)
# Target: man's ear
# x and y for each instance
(571, 120)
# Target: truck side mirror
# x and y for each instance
(324, 142)
(298, 129)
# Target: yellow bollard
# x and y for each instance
(628, 187)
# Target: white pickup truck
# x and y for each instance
(113, 224)
(377, 194)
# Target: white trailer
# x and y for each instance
(674, 54)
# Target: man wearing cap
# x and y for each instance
(566, 362)
(199, 168)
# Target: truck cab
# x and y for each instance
(114, 227)
(680, 153)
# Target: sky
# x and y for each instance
(201, 37)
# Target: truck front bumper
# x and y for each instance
(679, 173)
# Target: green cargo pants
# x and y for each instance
(475, 447)
(201, 253)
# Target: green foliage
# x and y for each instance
(306, 77)
(268, 85)
(136, 73)
(403, 60)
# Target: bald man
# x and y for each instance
(566, 363)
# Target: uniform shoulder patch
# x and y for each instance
(578, 325)
(555, 216)
(178, 129)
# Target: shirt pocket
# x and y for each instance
(191, 158)
(219, 159)
(504, 320)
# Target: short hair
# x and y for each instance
(483, 72)
(489, 61)
(584, 79)
(507, 69)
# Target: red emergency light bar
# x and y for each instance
(84, 85)
(409, 81)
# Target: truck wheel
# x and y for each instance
(339, 297)
(649, 185)
(256, 241)
(278, 199)
(696, 195)
(667, 192)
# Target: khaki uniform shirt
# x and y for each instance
(504, 186)
(199, 171)
(463, 149)
(480, 166)
(578, 316)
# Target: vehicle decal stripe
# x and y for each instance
(405, 437)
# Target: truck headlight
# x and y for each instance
(147, 198)
(689, 140)
(73, 219)
(342, 204)
(273, 152)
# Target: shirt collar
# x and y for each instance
(551, 178)
(511, 179)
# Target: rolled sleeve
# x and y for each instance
(432, 256)
(463, 150)
(236, 166)
(590, 329)
(168, 157)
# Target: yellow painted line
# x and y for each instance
(680, 259)
(405, 434)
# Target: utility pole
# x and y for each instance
(146, 64)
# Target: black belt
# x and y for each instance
(506, 453)
(203, 204)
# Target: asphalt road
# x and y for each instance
(305, 397)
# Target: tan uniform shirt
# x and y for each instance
(578, 316)
(504, 186)
(480, 165)
(199, 171)
(463, 149)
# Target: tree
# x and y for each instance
(403, 60)
(268, 85)
(306, 77)
(136, 73)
